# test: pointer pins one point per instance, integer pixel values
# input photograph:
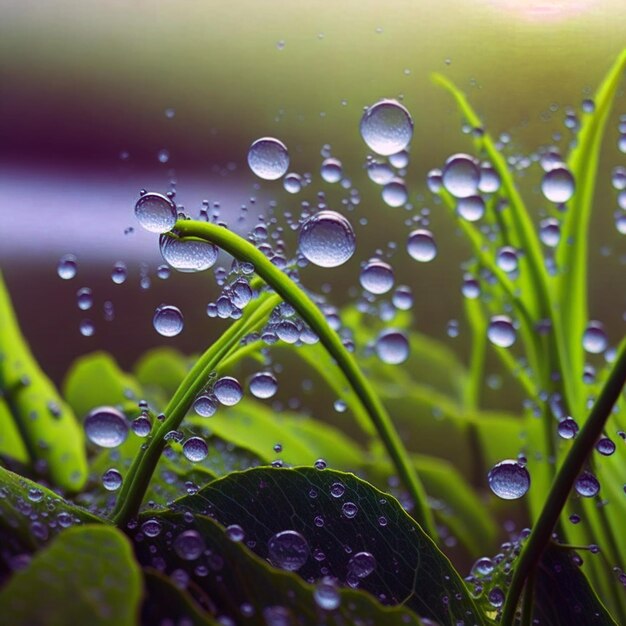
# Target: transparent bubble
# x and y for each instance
(189, 545)
(392, 347)
(395, 193)
(434, 180)
(470, 288)
(550, 232)
(67, 267)
(111, 480)
(567, 428)
(141, 426)
(362, 564)
(84, 298)
(337, 490)
(483, 567)
(195, 449)
(620, 223)
(489, 179)
(501, 331)
(471, 208)
(151, 528)
(228, 391)
(268, 158)
(349, 509)
(377, 277)
(87, 328)
(509, 480)
(327, 239)
(399, 160)
(331, 170)
(380, 173)
(605, 446)
(387, 127)
(163, 155)
(618, 178)
(288, 550)
(155, 212)
(293, 183)
(550, 160)
(263, 385)
(119, 273)
(188, 255)
(168, 320)
(205, 405)
(421, 246)
(506, 259)
(558, 184)
(461, 176)
(595, 340)
(587, 485)
(402, 298)
(496, 597)
(326, 594)
(235, 533)
(106, 427)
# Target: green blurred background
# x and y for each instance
(84, 87)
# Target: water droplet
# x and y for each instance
(618, 178)
(106, 427)
(376, 277)
(292, 183)
(392, 347)
(119, 273)
(496, 597)
(263, 385)
(331, 170)
(349, 509)
(395, 193)
(168, 320)
(483, 566)
(84, 298)
(489, 179)
(506, 259)
(205, 405)
(189, 545)
(387, 127)
(67, 267)
(470, 288)
(461, 176)
(141, 426)
(587, 485)
(361, 565)
(326, 594)
(163, 155)
(327, 239)
(195, 449)
(235, 533)
(558, 184)
(151, 528)
(509, 480)
(501, 331)
(87, 328)
(228, 391)
(421, 246)
(605, 446)
(380, 173)
(155, 212)
(595, 340)
(337, 490)
(188, 255)
(567, 428)
(550, 232)
(288, 550)
(268, 158)
(111, 480)
(402, 298)
(471, 208)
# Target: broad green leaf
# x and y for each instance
(32, 513)
(96, 380)
(254, 426)
(409, 569)
(87, 575)
(167, 603)
(161, 369)
(11, 442)
(244, 589)
(47, 426)
(563, 596)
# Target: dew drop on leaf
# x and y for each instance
(168, 320)
(268, 158)
(288, 550)
(106, 427)
(326, 594)
(228, 391)
(605, 446)
(111, 480)
(587, 485)
(188, 255)
(327, 239)
(471, 208)
(155, 212)
(292, 183)
(509, 480)
(151, 528)
(362, 564)
(195, 449)
(349, 509)
(386, 127)
(141, 426)
(567, 428)
(189, 545)
(235, 533)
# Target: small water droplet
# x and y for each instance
(421, 246)
(263, 385)
(327, 239)
(558, 184)
(349, 509)
(387, 127)
(326, 594)
(587, 485)
(168, 320)
(501, 331)
(331, 170)
(195, 449)
(268, 158)
(155, 212)
(288, 550)
(106, 427)
(228, 391)
(362, 564)
(461, 176)
(595, 340)
(377, 277)
(392, 347)
(111, 480)
(67, 267)
(189, 545)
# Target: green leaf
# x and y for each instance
(254, 426)
(96, 380)
(410, 569)
(11, 443)
(166, 602)
(563, 596)
(86, 576)
(161, 369)
(47, 426)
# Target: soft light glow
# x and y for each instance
(545, 10)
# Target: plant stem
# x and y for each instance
(562, 485)
(138, 478)
(310, 313)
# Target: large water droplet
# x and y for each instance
(387, 127)
(327, 239)
(501, 331)
(421, 246)
(461, 176)
(567, 428)
(392, 347)
(587, 485)
(106, 427)
(195, 449)
(67, 266)
(471, 208)
(509, 480)
(268, 158)
(228, 391)
(189, 545)
(376, 277)
(550, 231)
(331, 170)
(263, 385)
(288, 550)
(595, 340)
(395, 193)
(362, 564)
(506, 259)
(155, 212)
(168, 320)
(558, 184)
(188, 255)
(111, 480)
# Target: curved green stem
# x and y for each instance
(564, 481)
(138, 478)
(310, 313)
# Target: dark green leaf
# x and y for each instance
(86, 576)
(409, 567)
(161, 369)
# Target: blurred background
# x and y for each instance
(101, 99)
